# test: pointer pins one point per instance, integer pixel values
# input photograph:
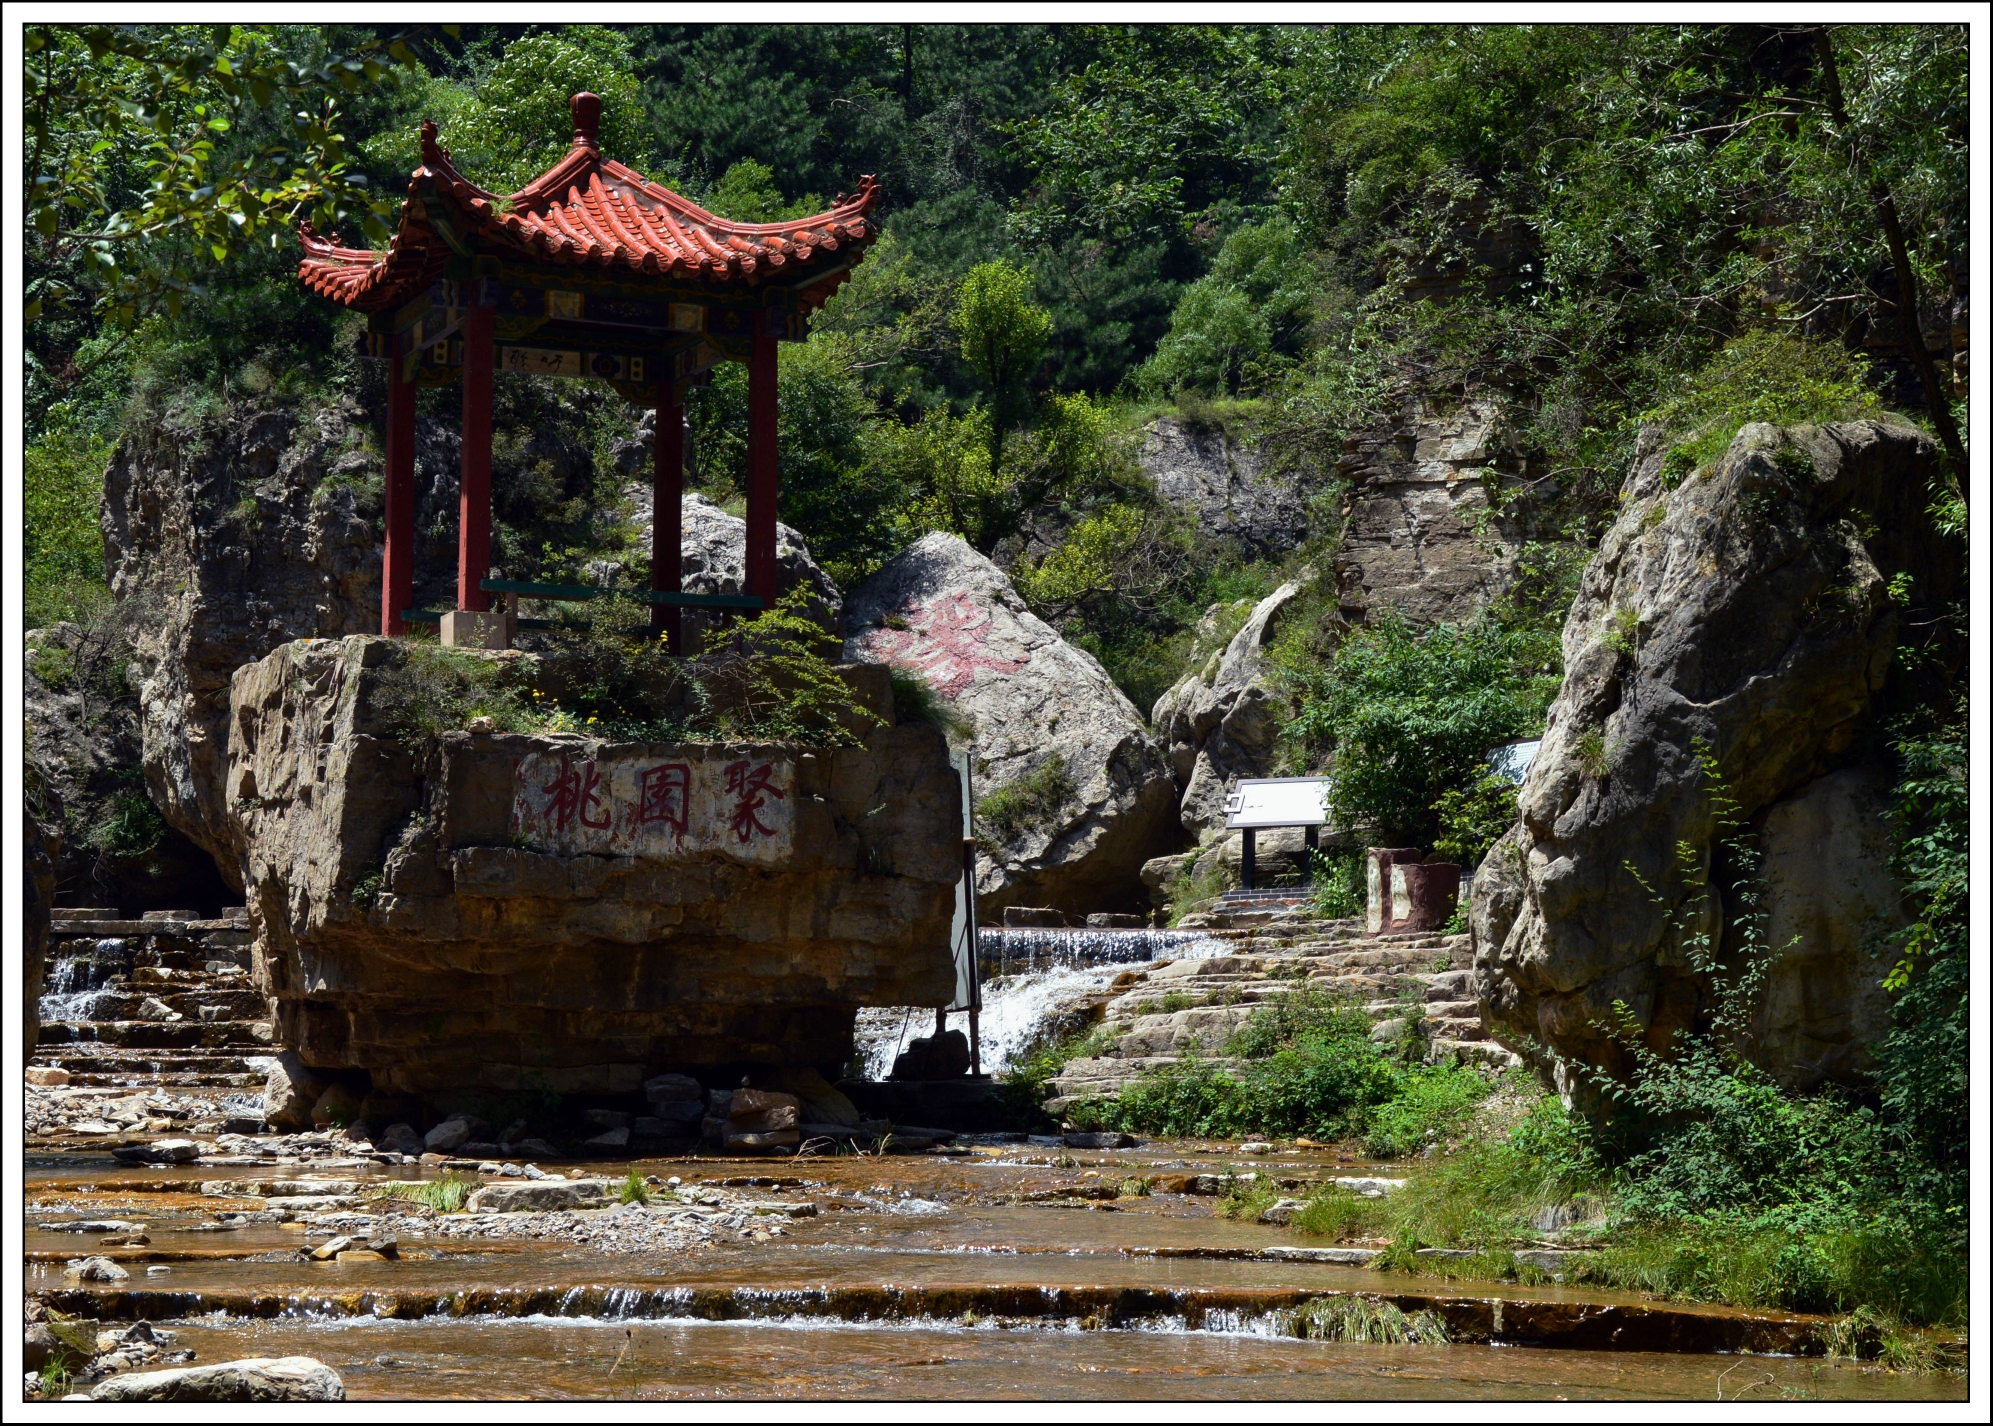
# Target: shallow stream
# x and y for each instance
(1000, 1270)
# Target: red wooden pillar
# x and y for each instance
(398, 557)
(474, 489)
(667, 515)
(761, 468)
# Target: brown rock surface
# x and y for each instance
(1747, 611)
(569, 912)
(946, 612)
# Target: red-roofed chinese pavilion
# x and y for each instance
(589, 270)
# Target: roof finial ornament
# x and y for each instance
(587, 111)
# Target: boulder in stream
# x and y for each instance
(250, 1379)
(485, 913)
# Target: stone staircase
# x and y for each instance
(163, 1001)
(1193, 1006)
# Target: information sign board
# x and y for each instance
(1278, 802)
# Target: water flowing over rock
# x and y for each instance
(1220, 722)
(1749, 613)
(235, 535)
(1092, 797)
(713, 555)
(497, 911)
(1223, 483)
(37, 896)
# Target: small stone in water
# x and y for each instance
(534, 1171)
(512, 1171)
(1256, 1146)
(158, 1270)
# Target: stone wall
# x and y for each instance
(497, 912)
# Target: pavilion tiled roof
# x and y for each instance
(590, 212)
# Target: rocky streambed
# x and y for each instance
(934, 1274)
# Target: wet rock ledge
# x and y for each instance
(509, 913)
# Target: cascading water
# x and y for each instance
(74, 987)
(1031, 978)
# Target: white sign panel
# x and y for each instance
(1512, 760)
(1278, 802)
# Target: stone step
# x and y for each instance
(1450, 985)
(1454, 1010)
(1472, 1052)
(1456, 1027)
(190, 1033)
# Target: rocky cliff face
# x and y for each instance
(1090, 794)
(1419, 532)
(1223, 484)
(493, 912)
(37, 897)
(1746, 616)
(237, 535)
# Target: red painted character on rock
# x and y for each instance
(746, 784)
(573, 794)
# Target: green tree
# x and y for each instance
(63, 546)
(1241, 325)
(516, 123)
(134, 189)
(1403, 715)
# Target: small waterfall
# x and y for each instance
(73, 989)
(1031, 977)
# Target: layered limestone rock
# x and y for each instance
(1419, 531)
(1220, 723)
(1090, 794)
(1745, 617)
(495, 912)
(1224, 485)
(235, 536)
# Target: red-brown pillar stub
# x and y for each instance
(474, 490)
(668, 515)
(398, 555)
(761, 468)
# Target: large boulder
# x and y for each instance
(713, 559)
(497, 913)
(1224, 485)
(1745, 617)
(235, 534)
(250, 1379)
(1078, 793)
(290, 1089)
(1220, 722)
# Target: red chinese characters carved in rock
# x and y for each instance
(574, 795)
(746, 784)
(943, 641)
(666, 797)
